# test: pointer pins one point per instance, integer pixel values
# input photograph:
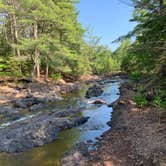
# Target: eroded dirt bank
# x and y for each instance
(20, 98)
(45, 91)
(135, 138)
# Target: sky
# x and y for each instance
(108, 19)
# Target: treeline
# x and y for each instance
(145, 58)
(147, 55)
(44, 38)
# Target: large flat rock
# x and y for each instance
(36, 131)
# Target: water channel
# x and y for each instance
(51, 154)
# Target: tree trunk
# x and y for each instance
(37, 54)
(5, 31)
(12, 33)
(15, 38)
(47, 69)
(33, 71)
(15, 34)
(38, 69)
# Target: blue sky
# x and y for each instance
(109, 19)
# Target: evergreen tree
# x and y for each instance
(148, 51)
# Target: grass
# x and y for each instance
(135, 76)
(140, 100)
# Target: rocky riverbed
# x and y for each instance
(26, 119)
(38, 130)
(135, 138)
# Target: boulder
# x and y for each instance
(36, 131)
(94, 91)
(26, 102)
(76, 156)
(98, 101)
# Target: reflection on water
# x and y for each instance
(50, 154)
(96, 124)
(99, 116)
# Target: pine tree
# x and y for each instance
(148, 51)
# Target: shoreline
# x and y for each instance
(43, 128)
(134, 138)
(27, 99)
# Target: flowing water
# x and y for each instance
(50, 154)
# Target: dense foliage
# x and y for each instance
(40, 37)
(148, 53)
(44, 38)
(146, 56)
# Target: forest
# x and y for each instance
(44, 38)
(43, 44)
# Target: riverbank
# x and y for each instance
(20, 98)
(12, 90)
(135, 137)
(91, 101)
(37, 112)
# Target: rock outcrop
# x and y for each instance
(94, 91)
(36, 131)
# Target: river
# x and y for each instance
(99, 115)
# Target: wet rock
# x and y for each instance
(93, 124)
(9, 113)
(35, 131)
(109, 123)
(89, 141)
(20, 104)
(35, 102)
(30, 101)
(98, 101)
(110, 81)
(14, 116)
(36, 107)
(43, 99)
(29, 96)
(77, 156)
(116, 104)
(94, 91)
(112, 104)
(26, 102)
(80, 121)
(5, 109)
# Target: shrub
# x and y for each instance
(135, 76)
(140, 100)
(56, 76)
(160, 99)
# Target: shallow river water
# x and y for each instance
(51, 154)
